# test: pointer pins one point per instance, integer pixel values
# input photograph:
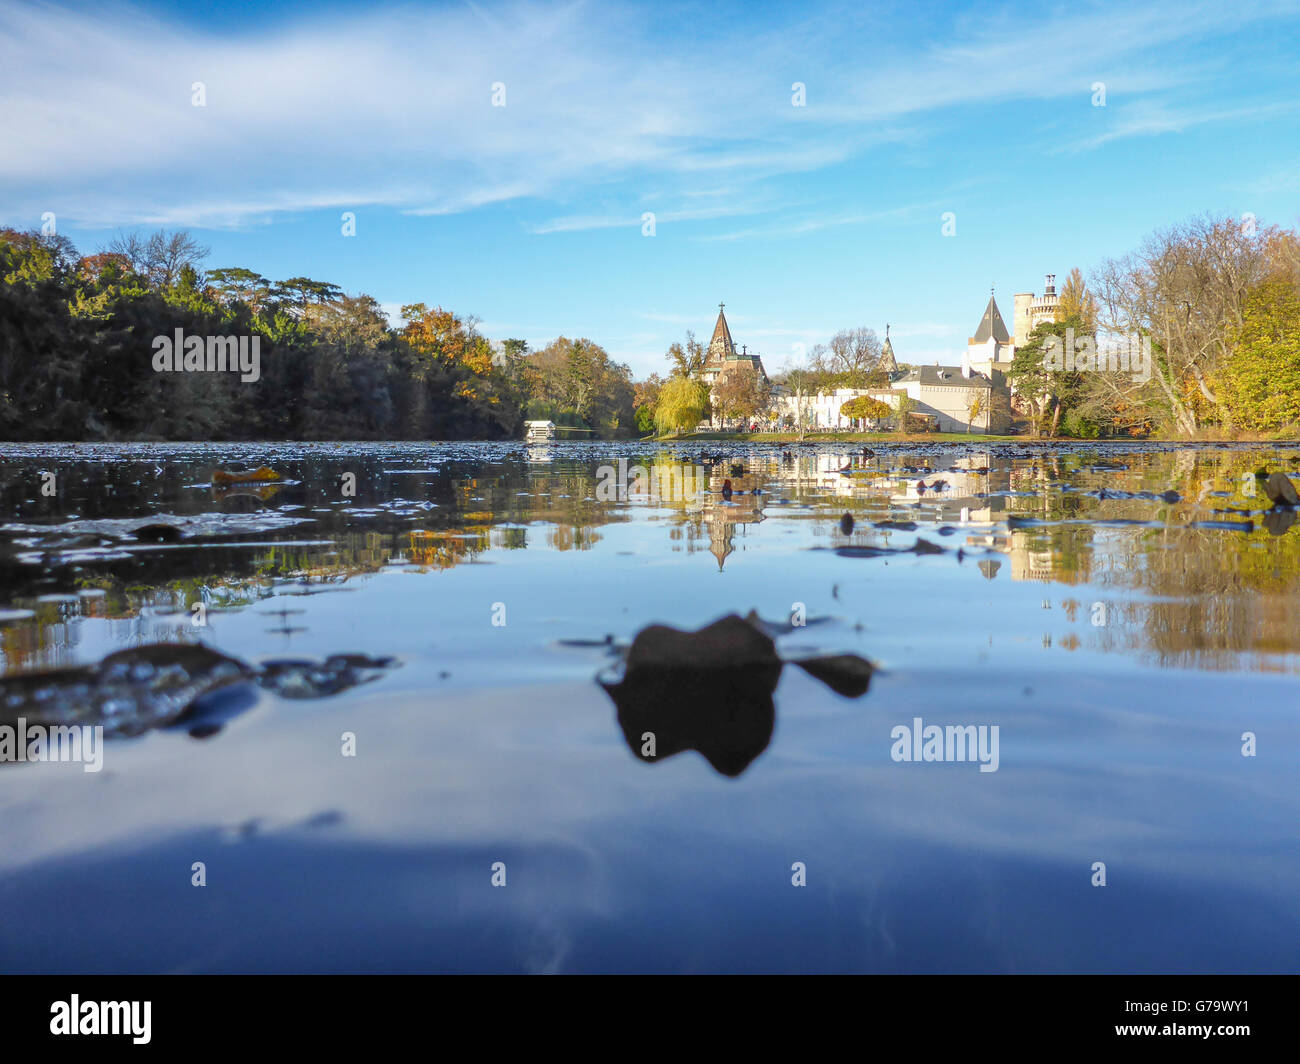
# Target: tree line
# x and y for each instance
(1213, 307)
(77, 335)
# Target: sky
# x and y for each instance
(800, 161)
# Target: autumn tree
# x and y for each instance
(1186, 289)
(1077, 302)
(1260, 384)
(687, 360)
(865, 408)
(104, 265)
(579, 378)
(740, 393)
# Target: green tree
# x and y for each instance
(906, 404)
(683, 404)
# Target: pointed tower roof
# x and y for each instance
(888, 362)
(992, 327)
(721, 347)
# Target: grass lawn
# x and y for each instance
(843, 437)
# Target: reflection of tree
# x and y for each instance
(572, 537)
(1207, 594)
(442, 550)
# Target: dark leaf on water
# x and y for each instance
(845, 674)
(128, 692)
(1281, 490)
(136, 690)
(711, 691)
(310, 679)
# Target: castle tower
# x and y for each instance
(1033, 310)
(991, 343)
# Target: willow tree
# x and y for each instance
(683, 404)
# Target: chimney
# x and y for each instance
(965, 365)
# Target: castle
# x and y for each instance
(974, 396)
(722, 359)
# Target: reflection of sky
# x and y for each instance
(493, 743)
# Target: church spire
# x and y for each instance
(721, 345)
(888, 363)
(991, 327)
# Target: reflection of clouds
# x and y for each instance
(607, 860)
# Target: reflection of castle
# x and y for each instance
(971, 490)
(722, 516)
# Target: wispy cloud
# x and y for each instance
(815, 223)
(1155, 118)
(393, 106)
(631, 220)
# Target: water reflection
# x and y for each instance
(1184, 547)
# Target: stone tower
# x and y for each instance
(1031, 310)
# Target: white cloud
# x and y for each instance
(393, 106)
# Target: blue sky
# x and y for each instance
(804, 219)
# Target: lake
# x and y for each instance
(406, 728)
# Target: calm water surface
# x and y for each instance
(1122, 614)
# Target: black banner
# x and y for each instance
(1227, 1013)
